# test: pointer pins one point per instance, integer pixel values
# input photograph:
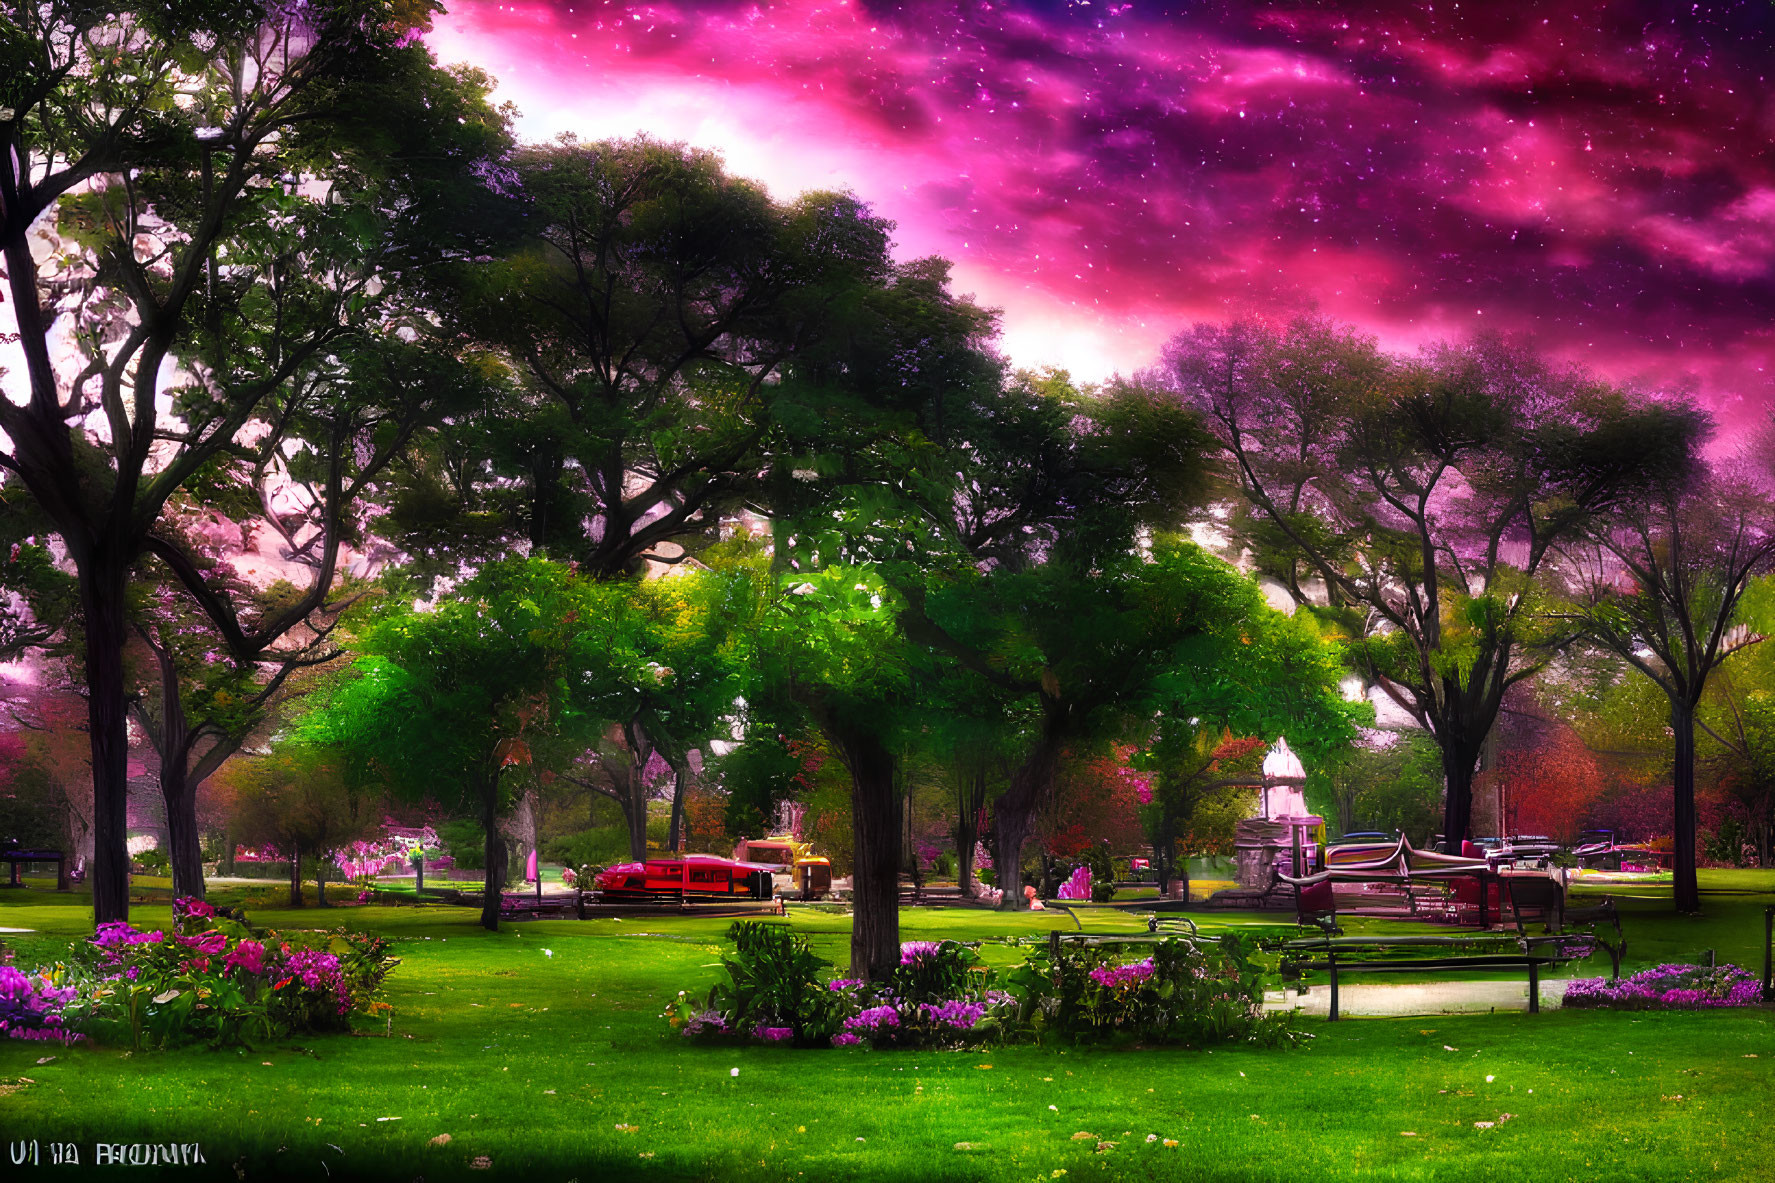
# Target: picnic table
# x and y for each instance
(16, 856)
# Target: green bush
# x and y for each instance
(597, 847)
(1103, 874)
(1188, 992)
(943, 866)
(465, 841)
(773, 985)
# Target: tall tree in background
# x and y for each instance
(169, 146)
(1658, 583)
(1424, 495)
(452, 704)
(300, 801)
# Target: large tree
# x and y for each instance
(1658, 582)
(830, 654)
(236, 186)
(519, 670)
(1143, 646)
(1419, 497)
(650, 318)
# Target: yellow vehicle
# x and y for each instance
(810, 874)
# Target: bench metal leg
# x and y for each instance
(1534, 988)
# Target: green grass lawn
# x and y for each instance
(557, 1067)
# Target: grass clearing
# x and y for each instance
(556, 1065)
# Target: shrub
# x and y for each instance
(943, 995)
(1669, 987)
(1189, 992)
(933, 970)
(465, 842)
(773, 985)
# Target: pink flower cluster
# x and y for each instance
(911, 951)
(1118, 976)
(191, 908)
(1078, 887)
(773, 1034)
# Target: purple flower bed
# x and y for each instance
(957, 1014)
(872, 1021)
(31, 1007)
(1669, 987)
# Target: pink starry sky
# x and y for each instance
(1597, 176)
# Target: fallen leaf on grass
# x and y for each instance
(647, 1154)
(1504, 1117)
(1408, 1133)
(1102, 1147)
(47, 1060)
(480, 1164)
(1082, 1136)
(1170, 1143)
(626, 1129)
(1483, 1125)
(441, 1140)
(1678, 1097)
(982, 1065)
(964, 1145)
(388, 1119)
(1446, 1048)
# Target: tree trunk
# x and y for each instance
(967, 831)
(493, 888)
(875, 878)
(177, 792)
(634, 811)
(675, 836)
(182, 834)
(1685, 891)
(876, 840)
(419, 877)
(1457, 807)
(1012, 827)
(295, 876)
(1014, 811)
(102, 609)
(320, 879)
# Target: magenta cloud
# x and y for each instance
(1598, 176)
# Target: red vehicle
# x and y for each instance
(686, 877)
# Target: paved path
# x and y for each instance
(1436, 998)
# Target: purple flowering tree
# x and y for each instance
(1415, 500)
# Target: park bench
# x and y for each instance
(1341, 956)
